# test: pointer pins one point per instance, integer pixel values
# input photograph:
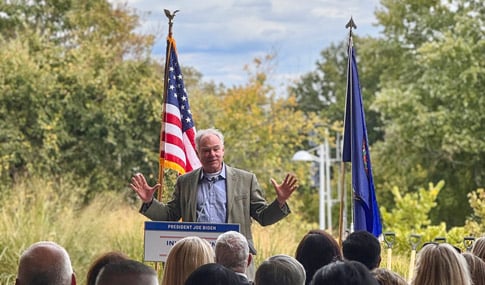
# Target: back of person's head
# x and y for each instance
(388, 277)
(344, 273)
(127, 272)
(440, 264)
(479, 248)
(100, 262)
(364, 247)
(45, 263)
(280, 270)
(232, 251)
(212, 274)
(317, 248)
(184, 257)
(476, 266)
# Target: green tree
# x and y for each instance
(323, 90)
(87, 103)
(432, 108)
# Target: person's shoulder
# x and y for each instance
(237, 171)
(190, 174)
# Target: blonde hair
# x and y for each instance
(440, 264)
(184, 257)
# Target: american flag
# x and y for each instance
(177, 140)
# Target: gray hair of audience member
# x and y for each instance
(440, 264)
(280, 269)
(388, 277)
(232, 251)
(479, 247)
(45, 262)
(347, 272)
(211, 131)
(476, 266)
(127, 272)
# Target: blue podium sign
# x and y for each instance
(161, 236)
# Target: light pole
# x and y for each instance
(305, 155)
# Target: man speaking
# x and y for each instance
(216, 192)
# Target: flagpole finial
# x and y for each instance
(170, 17)
(351, 24)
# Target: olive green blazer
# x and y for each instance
(245, 199)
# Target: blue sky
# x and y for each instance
(219, 37)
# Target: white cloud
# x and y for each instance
(218, 37)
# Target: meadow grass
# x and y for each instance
(36, 209)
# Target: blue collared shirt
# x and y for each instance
(212, 198)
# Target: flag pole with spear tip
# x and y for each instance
(350, 25)
(161, 169)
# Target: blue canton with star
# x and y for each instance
(176, 92)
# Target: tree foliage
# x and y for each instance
(262, 129)
(410, 220)
(79, 94)
(434, 126)
(421, 82)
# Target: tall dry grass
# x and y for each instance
(38, 210)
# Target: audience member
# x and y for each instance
(280, 270)
(479, 248)
(476, 266)
(45, 262)
(213, 274)
(440, 264)
(364, 247)
(344, 273)
(388, 277)
(317, 249)
(232, 251)
(100, 262)
(127, 272)
(184, 257)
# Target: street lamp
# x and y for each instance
(324, 192)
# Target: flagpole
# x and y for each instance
(350, 25)
(161, 169)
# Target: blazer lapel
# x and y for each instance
(231, 179)
(193, 183)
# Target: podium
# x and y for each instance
(161, 236)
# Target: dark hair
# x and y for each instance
(364, 247)
(127, 272)
(344, 273)
(212, 274)
(100, 262)
(317, 248)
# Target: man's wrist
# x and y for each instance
(149, 202)
(146, 205)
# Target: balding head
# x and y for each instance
(45, 263)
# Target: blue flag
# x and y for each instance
(356, 150)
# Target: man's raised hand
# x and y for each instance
(141, 187)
